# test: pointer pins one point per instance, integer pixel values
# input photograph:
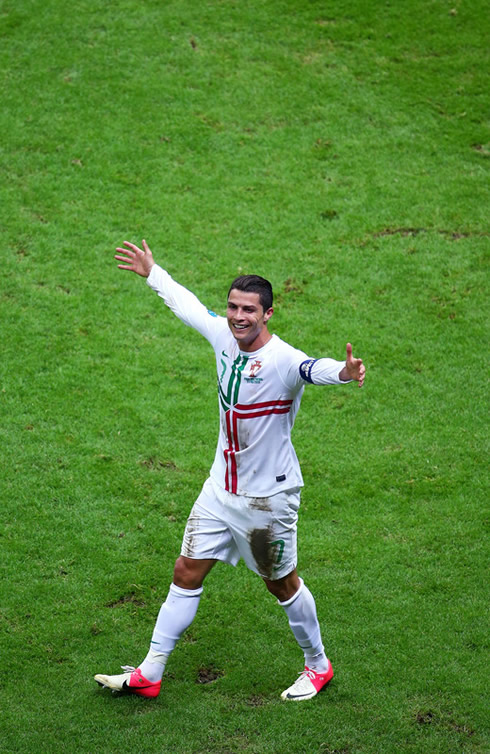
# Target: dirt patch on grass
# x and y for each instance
(399, 232)
(482, 149)
(125, 599)
(428, 717)
(155, 464)
(424, 718)
(208, 675)
(256, 701)
(453, 234)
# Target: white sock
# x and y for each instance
(319, 663)
(153, 665)
(301, 612)
(176, 614)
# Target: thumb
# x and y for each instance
(348, 348)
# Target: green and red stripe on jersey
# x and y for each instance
(230, 397)
(245, 411)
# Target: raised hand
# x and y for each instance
(135, 259)
(354, 367)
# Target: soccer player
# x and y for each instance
(248, 507)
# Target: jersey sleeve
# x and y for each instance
(185, 305)
(300, 369)
(323, 371)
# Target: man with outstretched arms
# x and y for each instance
(248, 507)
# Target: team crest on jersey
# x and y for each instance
(254, 368)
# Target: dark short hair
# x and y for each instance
(254, 284)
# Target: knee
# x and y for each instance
(284, 588)
(188, 573)
(184, 574)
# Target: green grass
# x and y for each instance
(340, 149)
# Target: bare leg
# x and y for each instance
(190, 573)
(284, 588)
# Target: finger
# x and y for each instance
(126, 267)
(145, 246)
(362, 373)
(127, 252)
(348, 348)
(133, 246)
(123, 258)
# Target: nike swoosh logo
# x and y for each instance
(289, 696)
(126, 687)
(225, 354)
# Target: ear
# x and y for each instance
(268, 314)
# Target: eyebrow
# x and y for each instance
(245, 306)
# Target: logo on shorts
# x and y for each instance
(278, 546)
(254, 368)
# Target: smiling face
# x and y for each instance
(247, 320)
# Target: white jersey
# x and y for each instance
(259, 397)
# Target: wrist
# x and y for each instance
(148, 269)
(344, 375)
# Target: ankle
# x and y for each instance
(153, 666)
(318, 662)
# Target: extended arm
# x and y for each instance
(182, 302)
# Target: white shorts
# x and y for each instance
(261, 530)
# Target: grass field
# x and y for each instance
(340, 149)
